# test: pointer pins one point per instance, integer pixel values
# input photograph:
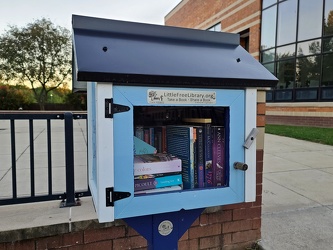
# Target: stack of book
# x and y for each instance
(157, 173)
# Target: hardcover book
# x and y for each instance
(156, 163)
(159, 190)
(158, 182)
(180, 142)
(218, 161)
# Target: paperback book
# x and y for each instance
(157, 182)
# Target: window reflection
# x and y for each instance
(266, 3)
(310, 19)
(308, 71)
(268, 55)
(309, 48)
(328, 44)
(287, 22)
(328, 19)
(270, 67)
(268, 28)
(286, 74)
(285, 51)
(327, 79)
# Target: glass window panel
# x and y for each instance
(285, 95)
(270, 67)
(327, 94)
(266, 3)
(268, 55)
(306, 94)
(217, 27)
(287, 16)
(328, 44)
(285, 51)
(328, 19)
(268, 28)
(286, 74)
(327, 79)
(310, 19)
(308, 71)
(269, 95)
(309, 48)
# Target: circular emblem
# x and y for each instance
(165, 227)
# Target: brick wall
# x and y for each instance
(300, 114)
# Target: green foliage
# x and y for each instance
(313, 134)
(39, 54)
(77, 101)
(15, 97)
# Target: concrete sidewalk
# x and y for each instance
(297, 195)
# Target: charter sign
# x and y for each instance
(160, 96)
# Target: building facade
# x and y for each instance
(293, 39)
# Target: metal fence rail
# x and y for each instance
(37, 157)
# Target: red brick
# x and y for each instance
(260, 155)
(254, 212)
(256, 223)
(261, 120)
(227, 239)
(259, 189)
(184, 236)
(2, 246)
(130, 243)
(236, 226)
(109, 233)
(72, 239)
(246, 236)
(204, 231)
(188, 244)
(261, 108)
(49, 242)
(210, 242)
(20, 245)
(204, 219)
(239, 214)
(132, 232)
(219, 217)
(102, 245)
(260, 166)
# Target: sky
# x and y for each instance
(22, 12)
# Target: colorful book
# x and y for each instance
(158, 182)
(207, 147)
(199, 153)
(158, 190)
(139, 133)
(180, 143)
(218, 161)
(156, 163)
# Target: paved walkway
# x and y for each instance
(297, 195)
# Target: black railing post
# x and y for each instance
(69, 155)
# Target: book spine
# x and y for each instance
(142, 168)
(180, 144)
(158, 182)
(157, 190)
(208, 155)
(139, 132)
(218, 156)
(200, 158)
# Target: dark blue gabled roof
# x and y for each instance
(130, 53)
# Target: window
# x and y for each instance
(287, 18)
(266, 3)
(286, 74)
(309, 48)
(310, 19)
(327, 70)
(328, 19)
(328, 44)
(270, 67)
(285, 52)
(268, 28)
(268, 55)
(308, 71)
(216, 27)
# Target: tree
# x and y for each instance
(39, 54)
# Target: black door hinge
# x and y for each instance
(112, 196)
(113, 108)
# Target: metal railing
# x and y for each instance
(38, 157)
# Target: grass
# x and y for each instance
(313, 134)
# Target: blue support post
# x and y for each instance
(162, 231)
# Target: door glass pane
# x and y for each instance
(328, 19)
(268, 28)
(310, 19)
(309, 48)
(308, 71)
(287, 17)
(286, 74)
